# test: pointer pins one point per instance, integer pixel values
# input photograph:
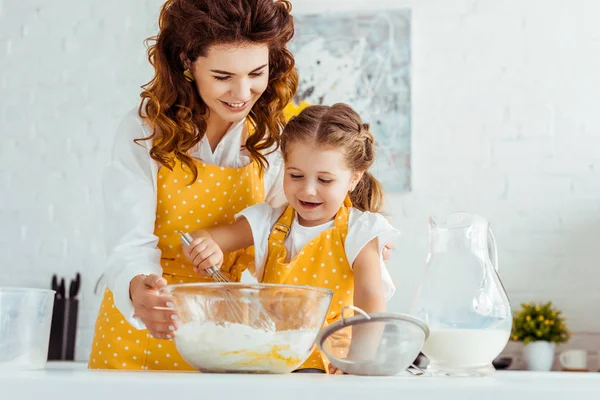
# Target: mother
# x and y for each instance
(200, 147)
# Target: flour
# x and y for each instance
(240, 348)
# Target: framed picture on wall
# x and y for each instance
(362, 58)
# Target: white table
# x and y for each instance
(68, 381)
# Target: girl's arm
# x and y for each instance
(229, 237)
(369, 297)
(368, 293)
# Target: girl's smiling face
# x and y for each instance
(316, 182)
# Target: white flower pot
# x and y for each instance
(539, 356)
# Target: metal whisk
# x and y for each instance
(233, 304)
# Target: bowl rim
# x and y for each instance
(373, 317)
(251, 286)
(24, 290)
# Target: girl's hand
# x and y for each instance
(387, 250)
(153, 309)
(333, 370)
(204, 253)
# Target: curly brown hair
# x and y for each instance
(173, 107)
(339, 127)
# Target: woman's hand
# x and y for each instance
(156, 311)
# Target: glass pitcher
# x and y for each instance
(461, 298)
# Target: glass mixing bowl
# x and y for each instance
(251, 328)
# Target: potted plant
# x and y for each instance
(540, 326)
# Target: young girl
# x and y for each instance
(330, 234)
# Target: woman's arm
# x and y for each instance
(133, 272)
(129, 215)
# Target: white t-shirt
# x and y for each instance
(362, 228)
(129, 188)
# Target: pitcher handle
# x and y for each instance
(494, 249)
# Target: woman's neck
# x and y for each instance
(216, 128)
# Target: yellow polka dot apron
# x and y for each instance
(214, 198)
(322, 262)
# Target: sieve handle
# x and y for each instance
(355, 309)
(418, 372)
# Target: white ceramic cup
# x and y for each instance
(573, 359)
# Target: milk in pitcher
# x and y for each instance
(449, 349)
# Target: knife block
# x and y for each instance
(63, 329)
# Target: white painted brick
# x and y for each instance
(532, 188)
(480, 187)
(579, 143)
(534, 221)
(564, 165)
(550, 243)
(520, 155)
(579, 216)
(526, 271)
(587, 187)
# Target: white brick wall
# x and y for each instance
(505, 124)
(509, 89)
(68, 71)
